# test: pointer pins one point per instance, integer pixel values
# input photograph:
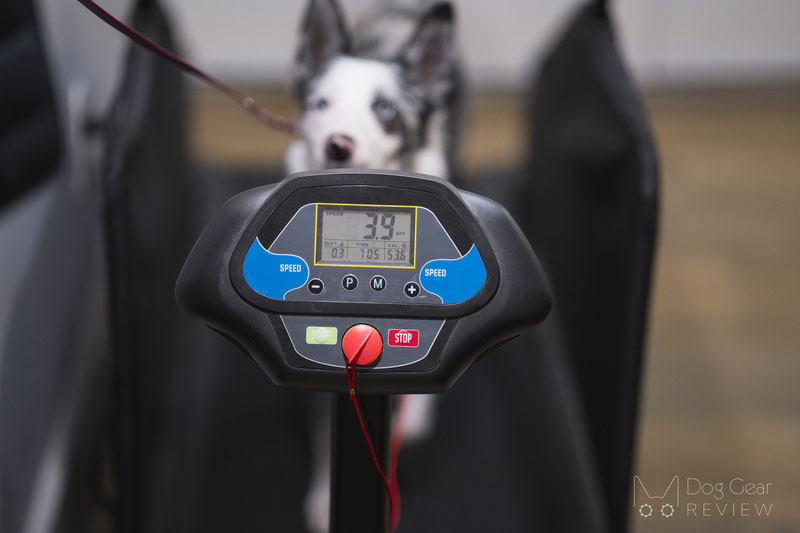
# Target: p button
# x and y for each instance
(349, 282)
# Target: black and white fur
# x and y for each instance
(386, 96)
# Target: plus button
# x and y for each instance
(411, 289)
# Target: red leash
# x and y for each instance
(266, 116)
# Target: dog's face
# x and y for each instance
(365, 112)
(356, 116)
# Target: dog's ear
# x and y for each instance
(322, 36)
(429, 56)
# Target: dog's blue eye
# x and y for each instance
(320, 104)
(385, 110)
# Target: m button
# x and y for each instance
(377, 283)
(411, 289)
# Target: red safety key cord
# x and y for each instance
(398, 435)
(391, 486)
(365, 344)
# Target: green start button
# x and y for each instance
(321, 335)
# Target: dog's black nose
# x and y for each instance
(339, 148)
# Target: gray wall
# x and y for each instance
(667, 42)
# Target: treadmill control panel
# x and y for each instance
(286, 271)
(396, 256)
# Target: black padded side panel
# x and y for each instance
(593, 205)
(147, 216)
(30, 147)
(54, 363)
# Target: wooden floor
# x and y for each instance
(722, 383)
(721, 395)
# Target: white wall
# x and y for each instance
(667, 42)
(677, 42)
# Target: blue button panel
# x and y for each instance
(273, 275)
(454, 280)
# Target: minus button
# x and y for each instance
(315, 286)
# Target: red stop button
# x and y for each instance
(362, 344)
(404, 337)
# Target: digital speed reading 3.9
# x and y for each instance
(369, 235)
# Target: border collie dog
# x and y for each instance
(384, 97)
(387, 96)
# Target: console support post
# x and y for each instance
(359, 501)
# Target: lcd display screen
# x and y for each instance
(368, 235)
